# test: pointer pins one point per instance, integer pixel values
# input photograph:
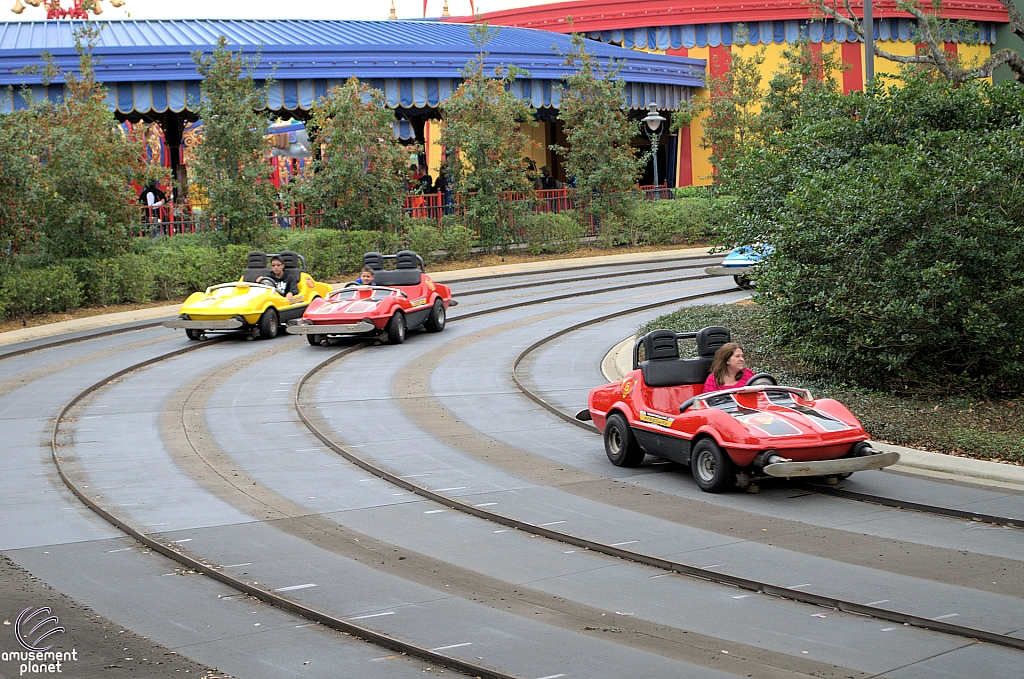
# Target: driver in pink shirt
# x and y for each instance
(728, 370)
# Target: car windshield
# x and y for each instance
(357, 293)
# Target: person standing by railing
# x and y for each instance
(152, 199)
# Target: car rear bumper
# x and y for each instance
(191, 324)
(842, 465)
(728, 270)
(307, 328)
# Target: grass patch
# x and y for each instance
(958, 424)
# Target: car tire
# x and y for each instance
(619, 443)
(396, 328)
(193, 333)
(437, 319)
(744, 282)
(269, 324)
(711, 467)
(314, 340)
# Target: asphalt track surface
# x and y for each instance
(206, 452)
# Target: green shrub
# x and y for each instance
(457, 239)
(552, 232)
(323, 250)
(613, 230)
(896, 219)
(679, 221)
(424, 238)
(36, 291)
(357, 242)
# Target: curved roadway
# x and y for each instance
(205, 452)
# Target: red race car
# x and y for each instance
(399, 300)
(728, 437)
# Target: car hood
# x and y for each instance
(332, 309)
(779, 415)
(226, 300)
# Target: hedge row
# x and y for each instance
(174, 267)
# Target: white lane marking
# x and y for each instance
(571, 551)
(235, 565)
(413, 476)
(371, 615)
(888, 629)
(162, 523)
(282, 389)
(663, 575)
(741, 596)
(291, 436)
(806, 584)
(441, 490)
(943, 617)
(185, 540)
(552, 676)
(486, 504)
(714, 565)
(550, 523)
(434, 511)
(114, 551)
(97, 406)
(445, 648)
(880, 601)
(627, 542)
(500, 531)
(306, 450)
(818, 615)
(288, 589)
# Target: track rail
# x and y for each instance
(629, 555)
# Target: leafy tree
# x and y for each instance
(65, 169)
(931, 31)
(231, 162)
(896, 217)
(599, 154)
(358, 179)
(485, 143)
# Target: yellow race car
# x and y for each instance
(253, 303)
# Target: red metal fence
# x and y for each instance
(178, 218)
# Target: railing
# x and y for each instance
(178, 218)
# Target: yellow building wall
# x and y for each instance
(538, 152)
(700, 158)
(973, 55)
(433, 147)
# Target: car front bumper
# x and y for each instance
(301, 328)
(728, 270)
(842, 465)
(192, 324)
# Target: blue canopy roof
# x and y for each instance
(148, 64)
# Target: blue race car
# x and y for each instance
(740, 264)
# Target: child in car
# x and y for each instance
(365, 276)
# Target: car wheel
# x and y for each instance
(269, 324)
(436, 321)
(711, 467)
(396, 328)
(193, 333)
(620, 444)
(314, 340)
(744, 282)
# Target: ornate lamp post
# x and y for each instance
(652, 123)
(79, 9)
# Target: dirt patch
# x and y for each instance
(101, 648)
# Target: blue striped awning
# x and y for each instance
(290, 95)
(768, 32)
